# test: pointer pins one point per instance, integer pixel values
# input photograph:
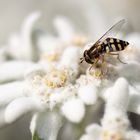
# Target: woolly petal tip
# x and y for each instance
(70, 58)
(86, 137)
(74, 110)
(11, 91)
(94, 129)
(93, 132)
(88, 94)
(116, 106)
(119, 93)
(64, 27)
(46, 125)
(19, 107)
(28, 24)
(13, 70)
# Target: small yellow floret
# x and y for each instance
(55, 78)
(106, 135)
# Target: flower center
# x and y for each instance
(47, 86)
(55, 78)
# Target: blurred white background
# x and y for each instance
(89, 16)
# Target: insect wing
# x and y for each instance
(112, 31)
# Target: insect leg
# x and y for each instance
(103, 65)
(90, 67)
(102, 58)
(81, 60)
(118, 57)
(94, 64)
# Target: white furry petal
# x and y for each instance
(64, 27)
(93, 132)
(86, 137)
(74, 110)
(10, 91)
(26, 34)
(19, 107)
(21, 45)
(70, 58)
(134, 105)
(13, 70)
(120, 94)
(116, 106)
(93, 129)
(133, 135)
(88, 94)
(46, 125)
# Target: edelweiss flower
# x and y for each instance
(46, 90)
(44, 77)
(47, 87)
(115, 124)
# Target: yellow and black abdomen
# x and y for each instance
(113, 45)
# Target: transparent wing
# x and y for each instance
(112, 31)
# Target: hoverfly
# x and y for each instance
(105, 45)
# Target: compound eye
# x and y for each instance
(84, 54)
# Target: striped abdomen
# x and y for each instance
(113, 45)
